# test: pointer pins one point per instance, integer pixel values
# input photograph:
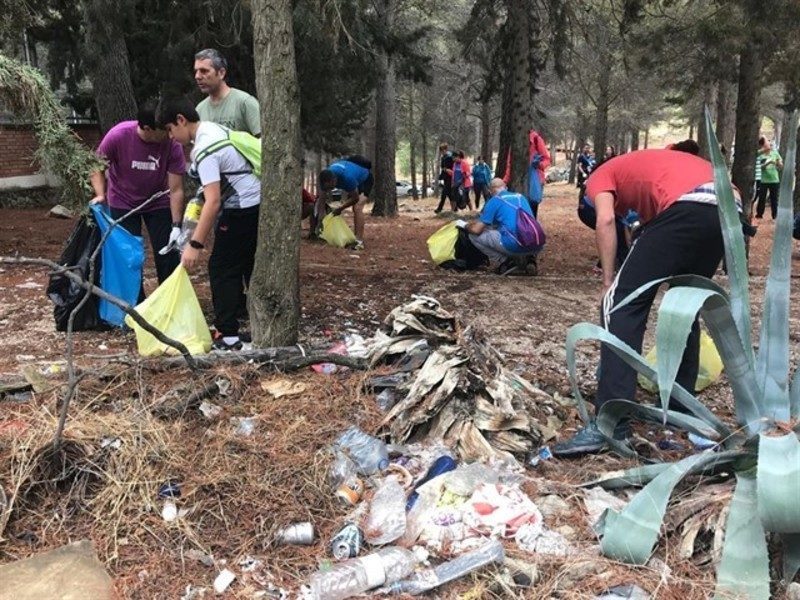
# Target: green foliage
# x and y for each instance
(767, 459)
(24, 91)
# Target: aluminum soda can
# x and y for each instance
(300, 534)
(350, 492)
(348, 542)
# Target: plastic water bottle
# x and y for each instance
(369, 453)
(354, 577)
(451, 570)
(387, 514)
(190, 218)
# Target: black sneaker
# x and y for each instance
(589, 440)
(219, 344)
(507, 267)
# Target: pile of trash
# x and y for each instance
(448, 385)
(412, 503)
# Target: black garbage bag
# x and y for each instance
(65, 293)
(468, 257)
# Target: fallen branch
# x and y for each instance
(290, 357)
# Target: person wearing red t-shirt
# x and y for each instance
(673, 193)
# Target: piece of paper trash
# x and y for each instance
(279, 388)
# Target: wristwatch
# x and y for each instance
(196, 245)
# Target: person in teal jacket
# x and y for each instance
(481, 176)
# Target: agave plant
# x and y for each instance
(762, 450)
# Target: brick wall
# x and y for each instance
(18, 144)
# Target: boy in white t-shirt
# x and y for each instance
(233, 194)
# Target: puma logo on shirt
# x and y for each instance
(151, 164)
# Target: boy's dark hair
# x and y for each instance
(460, 154)
(146, 115)
(327, 179)
(761, 141)
(169, 109)
(688, 146)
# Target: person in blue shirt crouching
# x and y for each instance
(494, 232)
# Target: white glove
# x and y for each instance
(461, 224)
(173, 243)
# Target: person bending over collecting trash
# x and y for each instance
(494, 232)
(673, 193)
(143, 161)
(232, 198)
(353, 175)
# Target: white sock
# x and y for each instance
(230, 340)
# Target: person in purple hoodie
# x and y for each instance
(141, 161)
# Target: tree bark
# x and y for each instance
(274, 294)
(709, 100)
(634, 139)
(385, 135)
(486, 132)
(600, 137)
(646, 137)
(523, 71)
(425, 168)
(747, 125)
(412, 144)
(725, 116)
(107, 62)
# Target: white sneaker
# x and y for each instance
(359, 245)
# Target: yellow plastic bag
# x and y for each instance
(442, 244)
(336, 232)
(173, 308)
(710, 365)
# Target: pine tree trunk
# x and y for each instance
(634, 139)
(709, 100)
(425, 169)
(646, 137)
(385, 190)
(486, 131)
(505, 111)
(600, 137)
(747, 124)
(726, 122)
(523, 72)
(107, 62)
(274, 293)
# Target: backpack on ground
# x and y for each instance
(249, 146)
(530, 235)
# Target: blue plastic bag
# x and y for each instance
(121, 261)
(534, 183)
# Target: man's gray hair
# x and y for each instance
(217, 60)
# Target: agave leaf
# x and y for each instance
(589, 331)
(631, 534)
(744, 569)
(791, 555)
(778, 477)
(676, 315)
(639, 476)
(735, 256)
(697, 281)
(794, 394)
(613, 411)
(772, 364)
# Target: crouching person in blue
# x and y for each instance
(353, 175)
(495, 231)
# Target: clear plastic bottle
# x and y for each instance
(190, 218)
(387, 513)
(369, 453)
(354, 577)
(458, 567)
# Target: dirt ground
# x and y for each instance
(341, 291)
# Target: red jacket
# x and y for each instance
(536, 145)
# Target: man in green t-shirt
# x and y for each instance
(771, 164)
(224, 105)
